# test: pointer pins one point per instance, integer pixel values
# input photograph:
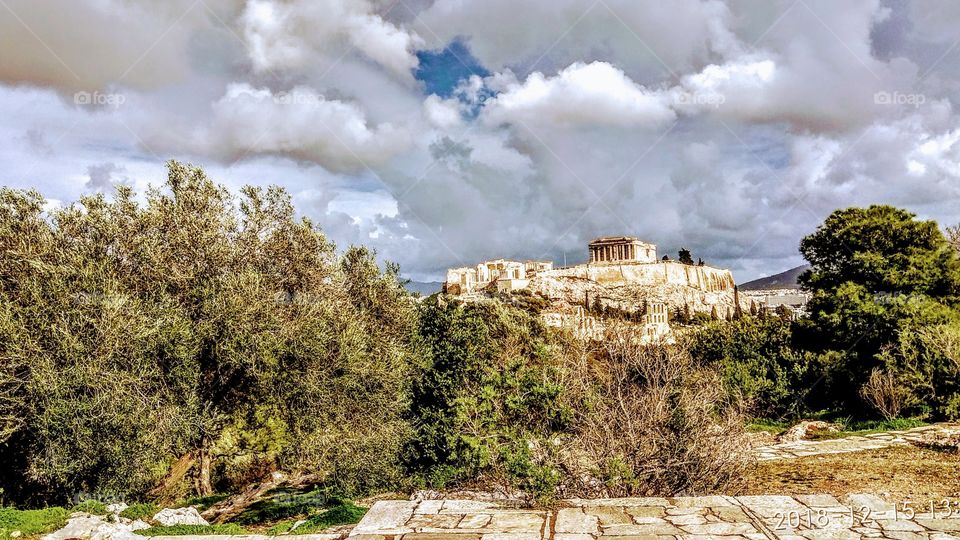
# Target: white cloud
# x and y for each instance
(581, 94)
(292, 35)
(442, 113)
(300, 124)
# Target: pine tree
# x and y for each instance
(737, 310)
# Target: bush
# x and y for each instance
(140, 511)
(488, 388)
(757, 363)
(883, 393)
(660, 424)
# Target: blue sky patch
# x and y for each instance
(442, 70)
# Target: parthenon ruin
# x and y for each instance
(621, 271)
(621, 249)
(612, 260)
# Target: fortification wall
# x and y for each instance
(704, 278)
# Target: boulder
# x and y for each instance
(89, 527)
(179, 516)
(804, 429)
(116, 508)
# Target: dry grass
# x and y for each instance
(895, 473)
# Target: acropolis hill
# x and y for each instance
(622, 272)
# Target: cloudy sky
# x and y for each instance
(444, 132)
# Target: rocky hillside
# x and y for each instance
(783, 280)
(567, 292)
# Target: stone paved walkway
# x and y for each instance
(851, 444)
(804, 517)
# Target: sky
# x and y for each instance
(446, 132)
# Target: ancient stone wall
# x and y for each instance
(704, 278)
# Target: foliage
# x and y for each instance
(189, 530)
(140, 511)
(757, 363)
(32, 522)
(194, 324)
(485, 388)
(879, 277)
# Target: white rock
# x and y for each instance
(139, 525)
(16, 534)
(116, 508)
(179, 516)
(87, 527)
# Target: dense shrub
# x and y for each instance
(486, 388)
(758, 363)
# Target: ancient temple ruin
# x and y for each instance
(622, 270)
(617, 249)
(499, 274)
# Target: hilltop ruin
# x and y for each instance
(623, 275)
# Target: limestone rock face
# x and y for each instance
(573, 291)
(89, 527)
(179, 516)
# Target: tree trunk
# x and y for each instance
(204, 464)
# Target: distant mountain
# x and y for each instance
(783, 280)
(426, 288)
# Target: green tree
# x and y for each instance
(485, 386)
(876, 273)
(138, 334)
(684, 256)
(758, 363)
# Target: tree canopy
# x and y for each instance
(878, 276)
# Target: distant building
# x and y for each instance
(504, 274)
